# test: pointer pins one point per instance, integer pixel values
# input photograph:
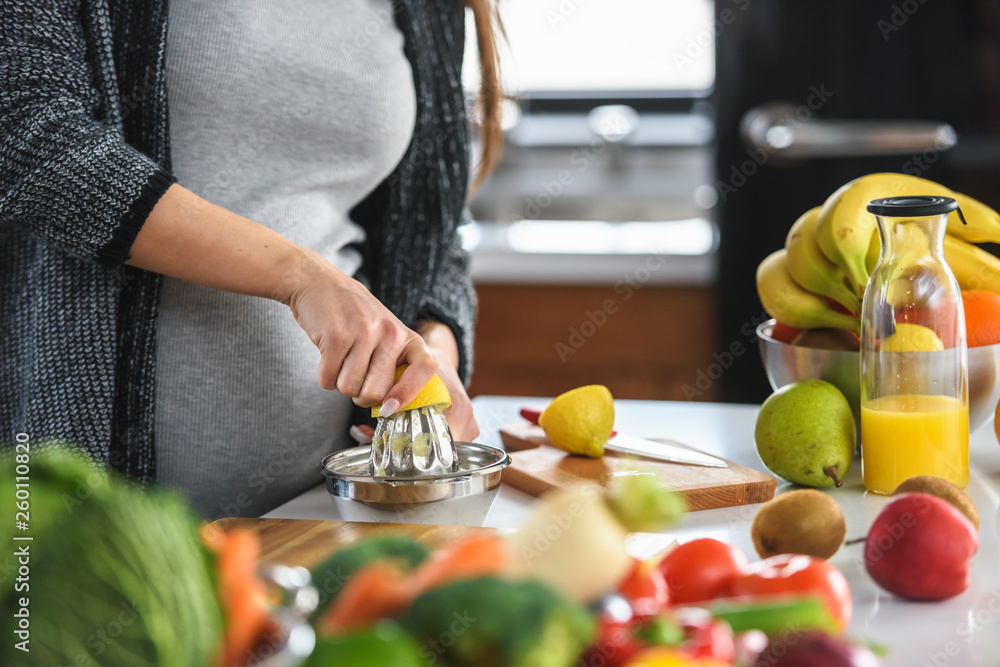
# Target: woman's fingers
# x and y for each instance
(354, 370)
(422, 367)
(461, 421)
(380, 377)
(331, 361)
(362, 433)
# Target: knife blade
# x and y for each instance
(662, 451)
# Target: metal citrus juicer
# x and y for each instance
(415, 472)
(412, 443)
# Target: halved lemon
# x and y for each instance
(434, 394)
(580, 421)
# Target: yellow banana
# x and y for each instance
(811, 269)
(974, 268)
(984, 222)
(844, 234)
(790, 304)
(845, 226)
(874, 253)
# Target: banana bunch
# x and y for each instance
(832, 249)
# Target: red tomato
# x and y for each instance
(701, 569)
(614, 645)
(705, 636)
(791, 574)
(645, 588)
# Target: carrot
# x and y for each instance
(467, 558)
(242, 594)
(374, 592)
(381, 590)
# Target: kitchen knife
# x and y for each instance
(662, 451)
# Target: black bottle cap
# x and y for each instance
(905, 207)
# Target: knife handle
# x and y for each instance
(531, 415)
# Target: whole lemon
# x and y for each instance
(912, 338)
(581, 420)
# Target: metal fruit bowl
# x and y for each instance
(291, 638)
(787, 363)
(460, 498)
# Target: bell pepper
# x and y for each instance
(775, 615)
(667, 657)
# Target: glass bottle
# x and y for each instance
(914, 360)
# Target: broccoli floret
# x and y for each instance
(331, 575)
(491, 622)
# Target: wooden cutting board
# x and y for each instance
(538, 468)
(308, 543)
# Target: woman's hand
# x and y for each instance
(442, 344)
(360, 342)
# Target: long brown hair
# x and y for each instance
(489, 31)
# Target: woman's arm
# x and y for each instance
(442, 343)
(66, 176)
(451, 300)
(360, 342)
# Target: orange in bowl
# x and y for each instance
(982, 317)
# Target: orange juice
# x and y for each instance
(908, 435)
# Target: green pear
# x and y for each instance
(805, 433)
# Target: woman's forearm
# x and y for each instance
(360, 342)
(189, 238)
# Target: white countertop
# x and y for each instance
(963, 631)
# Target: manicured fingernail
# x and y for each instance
(359, 435)
(389, 407)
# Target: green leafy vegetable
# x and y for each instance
(491, 622)
(117, 576)
(331, 575)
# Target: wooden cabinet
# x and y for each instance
(649, 342)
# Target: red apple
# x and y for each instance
(919, 548)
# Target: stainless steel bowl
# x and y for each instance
(292, 638)
(461, 498)
(787, 363)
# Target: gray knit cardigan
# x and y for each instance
(84, 157)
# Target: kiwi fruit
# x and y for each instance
(943, 489)
(799, 522)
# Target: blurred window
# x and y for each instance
(583, 48)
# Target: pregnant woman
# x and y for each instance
(222, 221)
